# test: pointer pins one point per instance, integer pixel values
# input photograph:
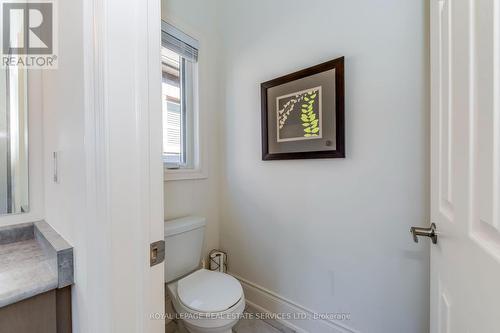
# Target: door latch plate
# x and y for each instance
(156, 253)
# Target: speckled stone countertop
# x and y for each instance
(33, 259)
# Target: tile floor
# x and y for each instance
(246, 325)
(259, 326)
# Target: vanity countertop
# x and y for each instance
(25, 271)
(33, 259)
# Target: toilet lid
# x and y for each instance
(208, 291)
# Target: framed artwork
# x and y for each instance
(303, 114)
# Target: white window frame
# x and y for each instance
(198, 170)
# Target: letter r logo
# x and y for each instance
(27, 28)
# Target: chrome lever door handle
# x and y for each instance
(427, 232)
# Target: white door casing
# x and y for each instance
(465, 166)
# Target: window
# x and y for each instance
(179, 56)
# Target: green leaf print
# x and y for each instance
(308, 117)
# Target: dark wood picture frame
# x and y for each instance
(339, 152)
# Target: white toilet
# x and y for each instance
(204, 300)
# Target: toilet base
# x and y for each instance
(225, 331)
(208, 330)
(183, 328)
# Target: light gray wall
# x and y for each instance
(200, 196)
(331, 235)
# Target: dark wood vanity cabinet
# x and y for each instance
(49, 312)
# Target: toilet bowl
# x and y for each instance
(205, 301)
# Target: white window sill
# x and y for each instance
(183, 174)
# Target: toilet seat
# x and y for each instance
(207, 291)
(207, 322)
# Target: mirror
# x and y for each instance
(13, 141)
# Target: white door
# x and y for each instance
(465, 166)
(123, 150)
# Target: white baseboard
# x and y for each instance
(267, 301)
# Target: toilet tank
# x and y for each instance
(183, 246)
